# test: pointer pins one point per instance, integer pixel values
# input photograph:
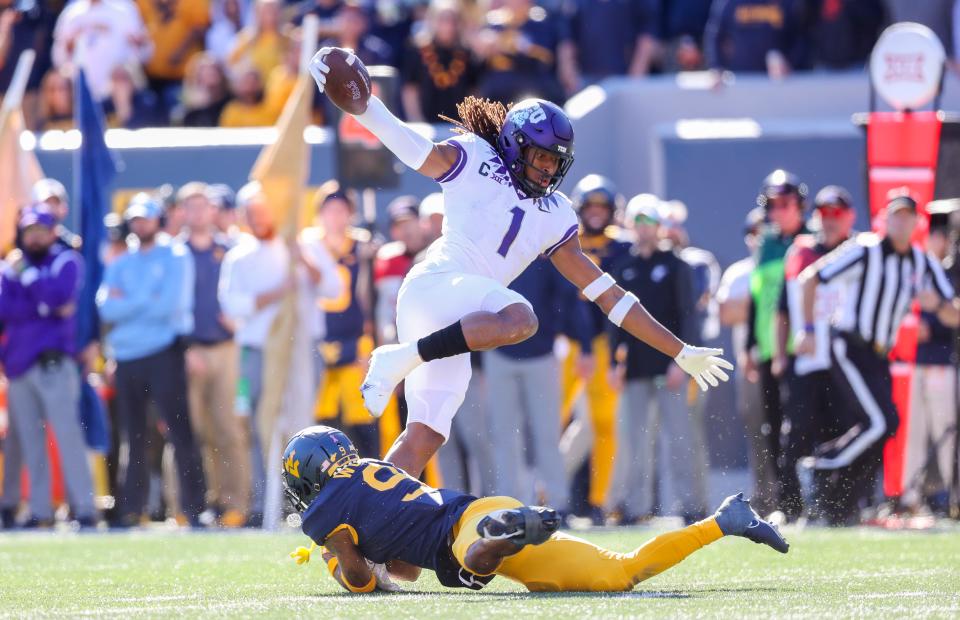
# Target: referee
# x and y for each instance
(882, 274)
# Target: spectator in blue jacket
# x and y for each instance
(615, 37)
(524, 47)
(145, 295)
(756, 36)
(684, 22)
(38, 296)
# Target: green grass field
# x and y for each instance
(832, 573)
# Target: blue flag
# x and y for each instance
(94, 169)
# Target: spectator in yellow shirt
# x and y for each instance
(176, 28)
(283, 78)
(262, 44)
(248, 108)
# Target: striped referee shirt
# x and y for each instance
(883, 283)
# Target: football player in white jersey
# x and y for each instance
(499, 177)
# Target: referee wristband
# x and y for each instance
(598, 287)
(619, 312)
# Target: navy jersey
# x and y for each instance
(605, 251)
(390, 515)
(344, 313)
(555, 303)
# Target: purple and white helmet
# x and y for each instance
(539, 124)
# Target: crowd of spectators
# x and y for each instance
(599, 424)
(581, 416)
(207, 63)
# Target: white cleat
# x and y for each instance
(389, 364)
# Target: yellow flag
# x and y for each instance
(19, 170)
(282, 169)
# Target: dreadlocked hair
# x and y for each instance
(482, 117)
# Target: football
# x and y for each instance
(348, 83)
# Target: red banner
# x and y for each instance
(902, 151)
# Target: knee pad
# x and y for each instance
(433, 408)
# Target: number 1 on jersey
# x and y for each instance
(512, 232)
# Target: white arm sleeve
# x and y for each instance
(410, 147)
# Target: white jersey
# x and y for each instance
(490, 228)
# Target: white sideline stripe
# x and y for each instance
(878, 424)
(717, 129)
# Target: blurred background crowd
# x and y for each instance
(232, 63)
(580, 417)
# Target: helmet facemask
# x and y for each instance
(305, 474)
(519, 172)
(299, 492)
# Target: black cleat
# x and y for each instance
(736, 518)
(527, 525)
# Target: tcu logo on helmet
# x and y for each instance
(531, 114)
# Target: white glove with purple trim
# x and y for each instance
(704, 365)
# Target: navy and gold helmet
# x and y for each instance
(780, 183)
(310, 459)
(596, 188)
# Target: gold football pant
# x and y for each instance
(602, 405)
(569, 564)
(340, 392)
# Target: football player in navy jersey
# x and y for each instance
(376, 523)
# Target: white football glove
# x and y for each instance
(319, 69)
(384, 582)
(703, 365)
